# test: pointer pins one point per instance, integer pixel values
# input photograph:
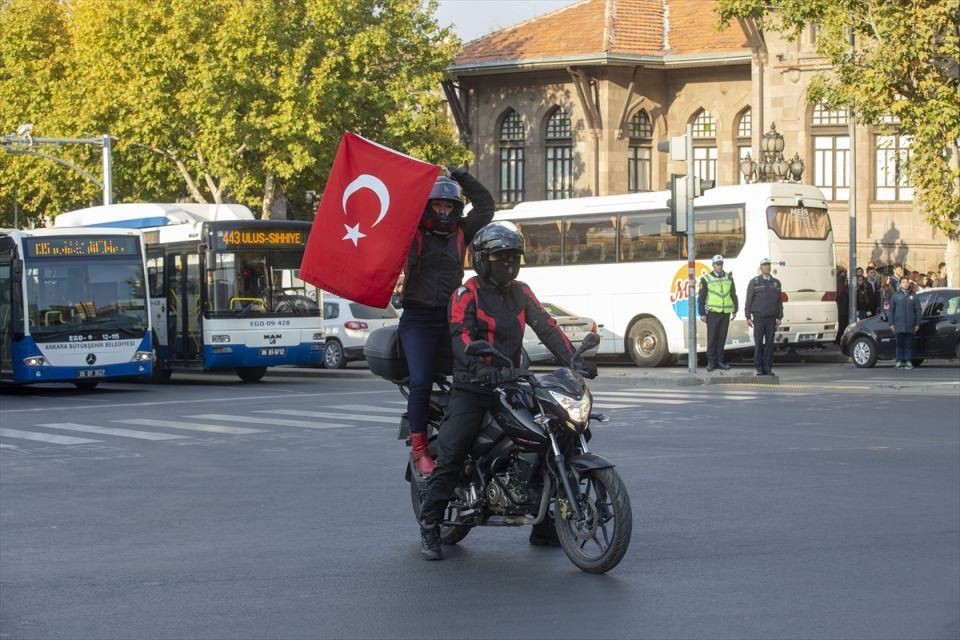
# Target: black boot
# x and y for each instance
(545, 534)
(430, 541)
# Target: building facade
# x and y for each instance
(573, 103)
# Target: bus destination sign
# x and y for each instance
(275, 238)
(80, 247)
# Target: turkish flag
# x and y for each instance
(366, 220)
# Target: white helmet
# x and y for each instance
(718, 259)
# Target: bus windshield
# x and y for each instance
(260, 282)
(798, 223)
(103, 298)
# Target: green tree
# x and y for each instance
(246, 100)
(905, 65)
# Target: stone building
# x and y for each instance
(573, 103)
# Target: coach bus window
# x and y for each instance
(591, 241)
(798, 223)
(647, 236)
(718, 230)
(542, 240)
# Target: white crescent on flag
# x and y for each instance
(367, 181)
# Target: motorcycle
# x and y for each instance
(530, 461)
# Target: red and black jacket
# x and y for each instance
(480, 311)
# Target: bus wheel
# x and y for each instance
(87, 385)
(251, 374)
(646, 343)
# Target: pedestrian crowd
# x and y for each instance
(875, 290)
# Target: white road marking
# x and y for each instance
(190, 426)
(365, 407)
(335, 416)
(43, 437)
(269, 421)
(110, 431)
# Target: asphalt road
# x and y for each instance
(825, 507)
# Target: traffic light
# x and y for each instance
(678, 203)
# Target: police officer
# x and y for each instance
(763, 311)
(717, 304)
(433, 271)
(491, 306)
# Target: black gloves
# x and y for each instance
(456, 172)
(587, 369)
(490, 376)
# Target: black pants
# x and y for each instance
(764, 328)
(717, 325)
(457, 433)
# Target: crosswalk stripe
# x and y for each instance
(638, 401)
(269, 421)
(110, 431)
(363, 407)
(334, 416)
(43, 437)
(690, 395)
(190, 426)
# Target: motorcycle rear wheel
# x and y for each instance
(449, 534)
(598, 542)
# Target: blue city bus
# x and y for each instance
(73, 306)
(225, 291)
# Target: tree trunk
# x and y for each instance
(269, 192)
(952, 259)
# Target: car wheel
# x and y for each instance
(647, 343)
(333, 355)
(864, 352)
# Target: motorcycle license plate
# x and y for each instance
(91, 373)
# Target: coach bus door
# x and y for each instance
(6, 312)
(183, 309)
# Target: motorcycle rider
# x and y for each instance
(491, 306)
(433, 270)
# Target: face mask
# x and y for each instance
(503, 272)
(433, 221)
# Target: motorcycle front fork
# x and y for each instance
(560, 469)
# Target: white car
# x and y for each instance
(347, 325)
(573, 325)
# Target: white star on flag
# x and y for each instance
(353, 233)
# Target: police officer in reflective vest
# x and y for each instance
(717, 303)
(763, 311)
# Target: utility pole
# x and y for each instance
(22, 142)
(852, 200)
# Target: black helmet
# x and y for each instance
(495, 238)
(448, 190)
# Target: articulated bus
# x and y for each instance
(617, 260)
(73, 306)
(224, 287)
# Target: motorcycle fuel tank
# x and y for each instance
(516, 420)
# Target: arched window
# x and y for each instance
(512, 142)
(704, 146)
(892, 152)
(558, 141)
(640, 152)
(744, 139)
(831, 152)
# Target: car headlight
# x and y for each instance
(577, 410)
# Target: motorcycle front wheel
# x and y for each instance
(449, 534)
(598, 541)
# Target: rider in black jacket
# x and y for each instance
(434, 269)
(491, 306)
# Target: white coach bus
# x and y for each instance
(617, 260)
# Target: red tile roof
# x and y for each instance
(610, 27)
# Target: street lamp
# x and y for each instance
(23, 142)
(772, 167)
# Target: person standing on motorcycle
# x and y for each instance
(491, 306)
(433, 270)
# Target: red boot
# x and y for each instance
(422, 460)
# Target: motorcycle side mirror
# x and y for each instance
(589, 342)
(480, 348)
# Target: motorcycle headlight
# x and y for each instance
(578, 411)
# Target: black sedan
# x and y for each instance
(870, 339)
